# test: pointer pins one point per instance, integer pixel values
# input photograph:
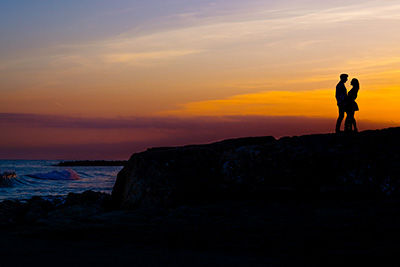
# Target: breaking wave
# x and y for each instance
(68, 174)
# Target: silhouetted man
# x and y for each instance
(341, 95)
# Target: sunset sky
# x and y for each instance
(101, 79)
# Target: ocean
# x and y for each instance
(41, 178)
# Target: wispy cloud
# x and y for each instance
(260, 23)
(199, 31)
(261, 26)
(309, 28)
(312, 103)
(273, 103)
(136, 58)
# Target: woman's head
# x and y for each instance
(355, 82)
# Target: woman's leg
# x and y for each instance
(349, 121)
(355, 124)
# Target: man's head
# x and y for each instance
(344, 77)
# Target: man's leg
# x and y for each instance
(340, 118)
(348, 122)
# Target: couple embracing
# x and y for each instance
(347, 104)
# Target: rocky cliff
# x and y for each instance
(326, 165)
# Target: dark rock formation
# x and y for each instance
(361, 165)
(300, 201)
(88, 203)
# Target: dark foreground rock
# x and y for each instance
(362, 165)
(39, 209)
(224, 233)
(321, 200)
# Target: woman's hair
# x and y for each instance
(355, 82)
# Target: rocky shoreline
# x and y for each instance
(280, 232)
(324, 200)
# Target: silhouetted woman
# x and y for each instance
(352, 107)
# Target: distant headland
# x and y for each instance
(91, 163)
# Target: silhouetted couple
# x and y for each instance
(347, 104)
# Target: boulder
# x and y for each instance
(166, 176)
(325, 165)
